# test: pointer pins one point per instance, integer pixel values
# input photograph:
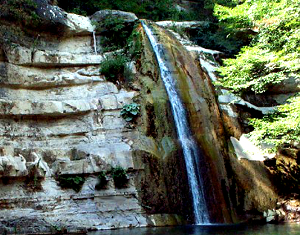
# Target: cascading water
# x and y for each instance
(95, 42)
(190, 149)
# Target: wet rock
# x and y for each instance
(274, 216)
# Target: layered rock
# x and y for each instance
(60, 117)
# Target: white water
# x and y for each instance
(190, 150)
(95, 42)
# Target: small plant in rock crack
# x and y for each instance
(113, 67)
(102, 181)
(119, 176)
(130, 112)
(73, 182)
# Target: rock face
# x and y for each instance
(247, 181)
(198, 97)
(59, 116)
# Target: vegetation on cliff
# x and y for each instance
(281, 127)
(116, 66)
(155, 10)
(21, 11)
(272, 57)
(273, 54)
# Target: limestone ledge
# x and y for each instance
(52, 192)
(17, 166)
(65, 143)
(82, 92)
(83, 158)
(49, 127)
(25, 56)
(88, 209)
(12, 166)
(95, 159)
(59, 126)
(46, 108)
(41, 78)
(107, 94)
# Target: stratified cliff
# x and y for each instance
(60, 118)
(61, 127)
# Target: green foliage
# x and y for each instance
(254, 69)
(280, 128)
(116, 66)
(134, 45)
(73, 182)
(119, 176)
(102, 181)
(272, 56)
(274, 52)
(114, 32)
(130, 112)
(210, 4)
(113, 67)
(21, 11)
(147, 9)
(180, 30)
(216, 36)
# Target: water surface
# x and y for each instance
(269, 229)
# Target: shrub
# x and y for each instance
(102, 181)
(114, 32)
(217, 37)
(133, 46)
(119, 176)
(116, 67)
(21, 11)
(273, 53)
(154, 9)
(113, 68)
(73, 182)
(280, 128)
(130, 112)
(254, 69)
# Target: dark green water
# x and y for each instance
(269, 229)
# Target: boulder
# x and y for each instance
(128, 17)
(290, 85)
(274, 216)
(56, 20)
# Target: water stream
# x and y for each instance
(190, 149)
(95, 42)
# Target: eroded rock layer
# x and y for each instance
(59, 117)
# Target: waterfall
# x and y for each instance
(189, 146)
(95, 42)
